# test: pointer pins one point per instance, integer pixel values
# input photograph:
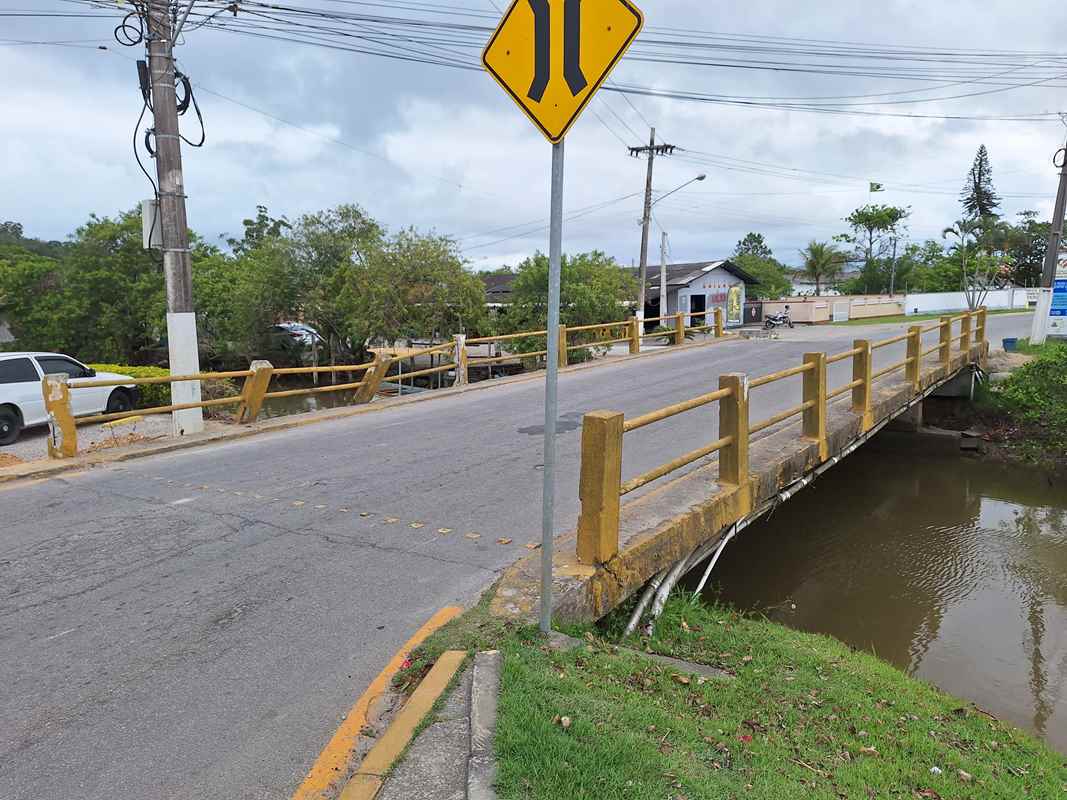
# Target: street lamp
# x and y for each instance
(663, 264)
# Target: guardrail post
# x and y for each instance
(913, 369)
(679, 328)
(861, 371)
(965, 331)
(635, 336)
(733, 422)
(56, 392)
(815, 392)
(461, 359)
(718, 322)
(372, 379)
(599, 486)
(944, 352)
(252, 393)
(563, 345)
(979, 333)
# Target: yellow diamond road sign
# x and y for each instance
(552, 55)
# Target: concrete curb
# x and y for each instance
(47, 469)
(369, 777)
(481, 766)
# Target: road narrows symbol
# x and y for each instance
(572, 48)
(542, 49)
(551, 56)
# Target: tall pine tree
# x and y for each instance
(979, 199)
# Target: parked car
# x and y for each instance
(22, 400)
(295, 343)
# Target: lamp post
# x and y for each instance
(662, 259)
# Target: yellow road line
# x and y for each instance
(368, 779)
(333, 762)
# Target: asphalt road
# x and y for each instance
(194, 625)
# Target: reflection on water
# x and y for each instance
(299, 404)
(955, 570)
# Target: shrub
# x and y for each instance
(1036, 395)
(158, 394)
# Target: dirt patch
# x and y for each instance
(120, 440)
(1003, 361)
(9, 460)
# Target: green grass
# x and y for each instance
(920, 317)
(803, 716)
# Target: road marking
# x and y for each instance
(57, 635)
(333, 764)
(181, 502)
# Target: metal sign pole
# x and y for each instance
(548, 498)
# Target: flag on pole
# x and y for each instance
(876, 187)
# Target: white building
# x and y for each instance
(698, 287)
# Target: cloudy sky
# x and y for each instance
(298, 128)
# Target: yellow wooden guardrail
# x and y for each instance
(249, 402)
(601, 487)
(628, 332)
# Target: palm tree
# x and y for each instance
(975, 287)
(822, 263)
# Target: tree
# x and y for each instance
(773, 277)
(822, 263)
(411, 285)
(1025, 248)
(978, 272)
(263, 226)
(593, 288)
(753, 245)
(876, 234)
(978, 196)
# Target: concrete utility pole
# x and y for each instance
(663, 277)
(184, 358)
(651, 151)
(1039, 327)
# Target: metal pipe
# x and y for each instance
(642, 604)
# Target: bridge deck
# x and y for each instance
(194, 624)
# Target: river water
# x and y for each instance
(953, 569)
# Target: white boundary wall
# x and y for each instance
(933, 302)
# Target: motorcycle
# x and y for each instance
(774, 320)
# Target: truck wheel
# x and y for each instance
(10, 425)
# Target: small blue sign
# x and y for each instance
(1059, 298)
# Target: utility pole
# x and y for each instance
(663, 277)
(184, 357)
(650, 151)
(1039, 326)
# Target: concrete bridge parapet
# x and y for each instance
(617, 548)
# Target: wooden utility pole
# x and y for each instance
(177, 264)
(651, 151)
(645, 219)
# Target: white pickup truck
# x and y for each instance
(22, 400)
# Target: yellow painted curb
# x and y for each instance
(332, 763)
(368, 779)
